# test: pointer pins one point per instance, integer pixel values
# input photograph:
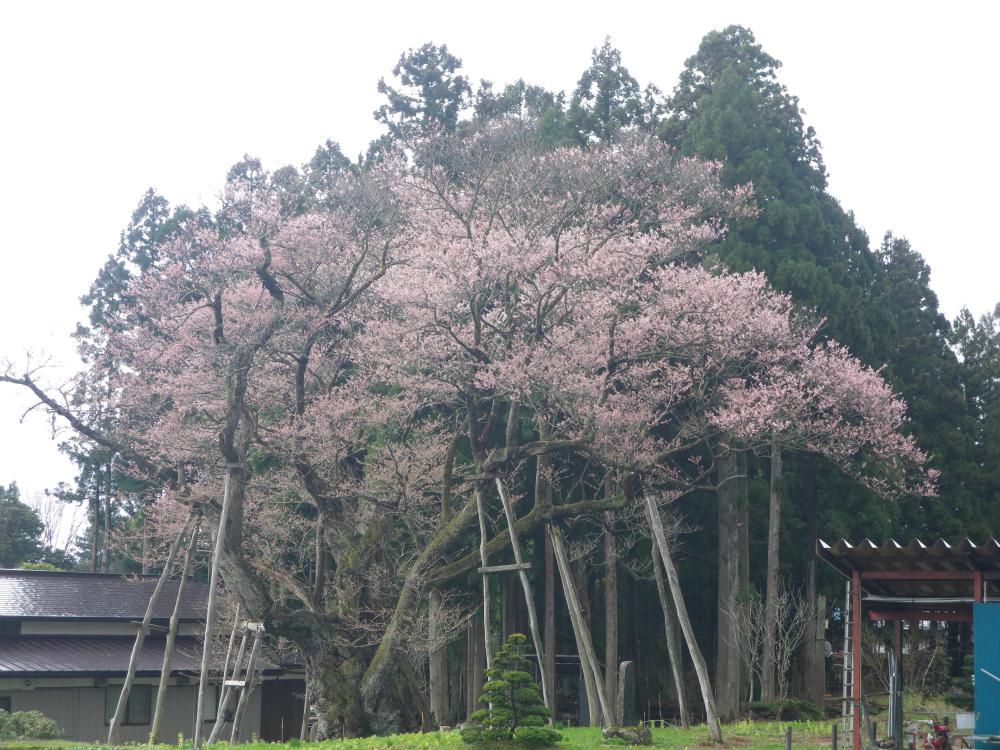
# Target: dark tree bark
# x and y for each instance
(438, 664)
(475, 660)
(743, 509)
(106, 556)
(508, 618)
(773, 573)
(610, 611)
(727, 660)
(95, 528)
(814, 661)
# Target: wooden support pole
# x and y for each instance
(674, 652)
(304, 729)
(549, 615)
(168, 647)
(509, 568)
(213, 584)
(248, 685)
(483, 557)
(592, 670)
(140, 637)
(977, 586)
(227, 692)
(224, 698)
(697, 658)
(529, 598)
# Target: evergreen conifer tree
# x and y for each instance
(516, 712)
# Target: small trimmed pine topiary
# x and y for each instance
(517, 713)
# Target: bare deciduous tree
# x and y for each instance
(747, 612)
(793, 617)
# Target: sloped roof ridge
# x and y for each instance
(83, 573)
(102, 596)
(991, 540)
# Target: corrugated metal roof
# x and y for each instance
(42, 655)
(916, 558)
(37, 594)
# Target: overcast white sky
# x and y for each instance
(99, 101)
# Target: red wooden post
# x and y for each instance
(856, 657)
(977, 586)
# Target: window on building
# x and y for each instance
(5, 703)
(10, 627)
(139, 709)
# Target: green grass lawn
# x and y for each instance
(755, 736)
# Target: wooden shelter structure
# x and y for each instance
(916, 582)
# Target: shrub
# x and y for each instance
(535, 735)
(33, 724)
(517, 713)
(793, 709)
(638, 735)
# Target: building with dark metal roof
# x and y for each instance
(46, 595)
(39, 656)
(65, 644)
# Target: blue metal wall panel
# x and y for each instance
(986, 660)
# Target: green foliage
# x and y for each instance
(978, 343)
(32, 724)
(21, 535)
(42, 566)
(430, 93)
(730, 105)
(608, 99)
(961, 693)
(20, 529)
(516, 713)
(537, 736)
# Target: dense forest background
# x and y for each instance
(873, 296)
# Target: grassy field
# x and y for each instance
(754, 736)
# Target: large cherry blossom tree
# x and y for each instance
(354, 377)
